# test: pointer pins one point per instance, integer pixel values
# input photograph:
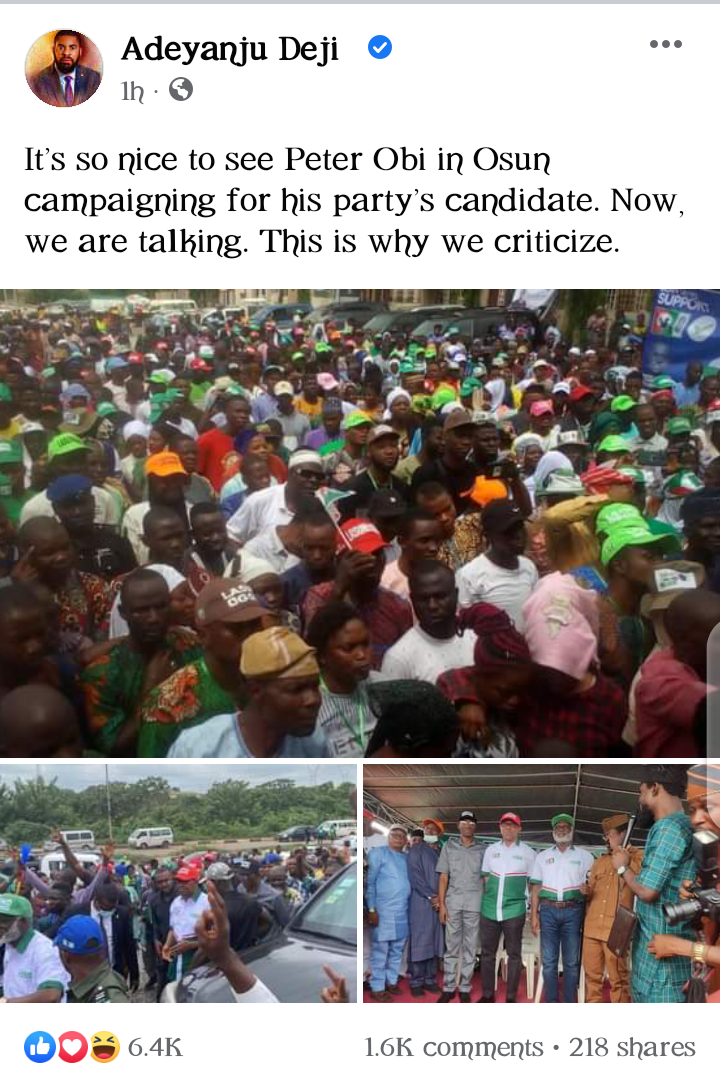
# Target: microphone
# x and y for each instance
(628, 831)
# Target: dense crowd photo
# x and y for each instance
(541, 883)
(178, 885)
(358, 526)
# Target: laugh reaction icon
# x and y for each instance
(104, 1047)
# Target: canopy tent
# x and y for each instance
(589, 792)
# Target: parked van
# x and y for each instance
(337, 827)
(157, 837)
(54, 862)
(79, 838)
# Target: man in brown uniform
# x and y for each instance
(607, 892)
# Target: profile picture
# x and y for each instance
(63, 68)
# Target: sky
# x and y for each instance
(192, 777)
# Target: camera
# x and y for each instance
(705, 900)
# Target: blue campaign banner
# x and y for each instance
(684, 327)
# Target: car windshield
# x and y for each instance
(333, 913)
(379, 323)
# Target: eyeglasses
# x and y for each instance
(309, 476)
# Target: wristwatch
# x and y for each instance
(621, 870)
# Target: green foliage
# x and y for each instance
(32, 810)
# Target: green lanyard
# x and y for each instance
(359, 737)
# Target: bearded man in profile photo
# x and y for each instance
(65, 82)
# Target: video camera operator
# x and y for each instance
(704, 803)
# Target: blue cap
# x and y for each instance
(80, 934)
(70, 485)
(115, 363)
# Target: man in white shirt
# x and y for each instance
(268, 507)
(33, 972)
(433, 645)
(68, 454)
(185, 911)
(501, 576)
(559, 887)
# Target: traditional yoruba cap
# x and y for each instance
(579, 392)
(10, 452)
(613, 443)
(457, 418)
(500, 515)
(12, 904)
(615, 821)
(387, 504)
(80, 934)
(558, 818)
(164, 464)
(703, 780)
(622, 403)
(362, 535)
(381, 431)
(510, 816)
(705, 503)
(283, 388)
(354, 419)
(610, 515)
(229, 601)
(188, 874)
(434, 822)
(217, 872)
(599, 479)
(304, 457)
(67, 486)
(678, 425)
(332, 405)
(467, 816)
(624, 535)
(64, 443)
(277, 653)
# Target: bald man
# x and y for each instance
(38, 722)
(671, 697)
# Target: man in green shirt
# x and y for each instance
(506, 868)
(13, 494)
(82, 947)
(227, 614)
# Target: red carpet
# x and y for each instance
(475, 993)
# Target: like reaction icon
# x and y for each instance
(73, 1046)
(39, 1046)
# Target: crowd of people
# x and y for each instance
(438, 905)
(100, 935)
(226, 541)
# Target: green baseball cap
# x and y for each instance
(678, 425)
(635, 473)
(615, 514)
(12, 904)
(107, 408)
(10, 452)
(622, 403)
(442, 397)
(624, 535)
(558, 818)
(663, 382)
(408, 367)
(159, 379)
(354, 419)
(710, 371)
(613, 443)
(469, 385)
(64, 443)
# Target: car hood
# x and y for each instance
(292, 965)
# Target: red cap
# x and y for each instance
(510, 817)
(199, 364)
(579, 392)
(362, 535)
(188, 874)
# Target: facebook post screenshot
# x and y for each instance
(311, 532)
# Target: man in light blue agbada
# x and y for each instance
(388, 898)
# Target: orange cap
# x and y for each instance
(435, 822)
(486, 490)
(163, 464)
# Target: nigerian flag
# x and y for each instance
(329, 498)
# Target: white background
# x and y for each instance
(580, 83)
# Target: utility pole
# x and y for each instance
(109, 806)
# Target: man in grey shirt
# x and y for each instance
(460, 890)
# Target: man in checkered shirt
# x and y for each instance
(667, 862)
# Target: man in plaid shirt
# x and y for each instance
(667, 862)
